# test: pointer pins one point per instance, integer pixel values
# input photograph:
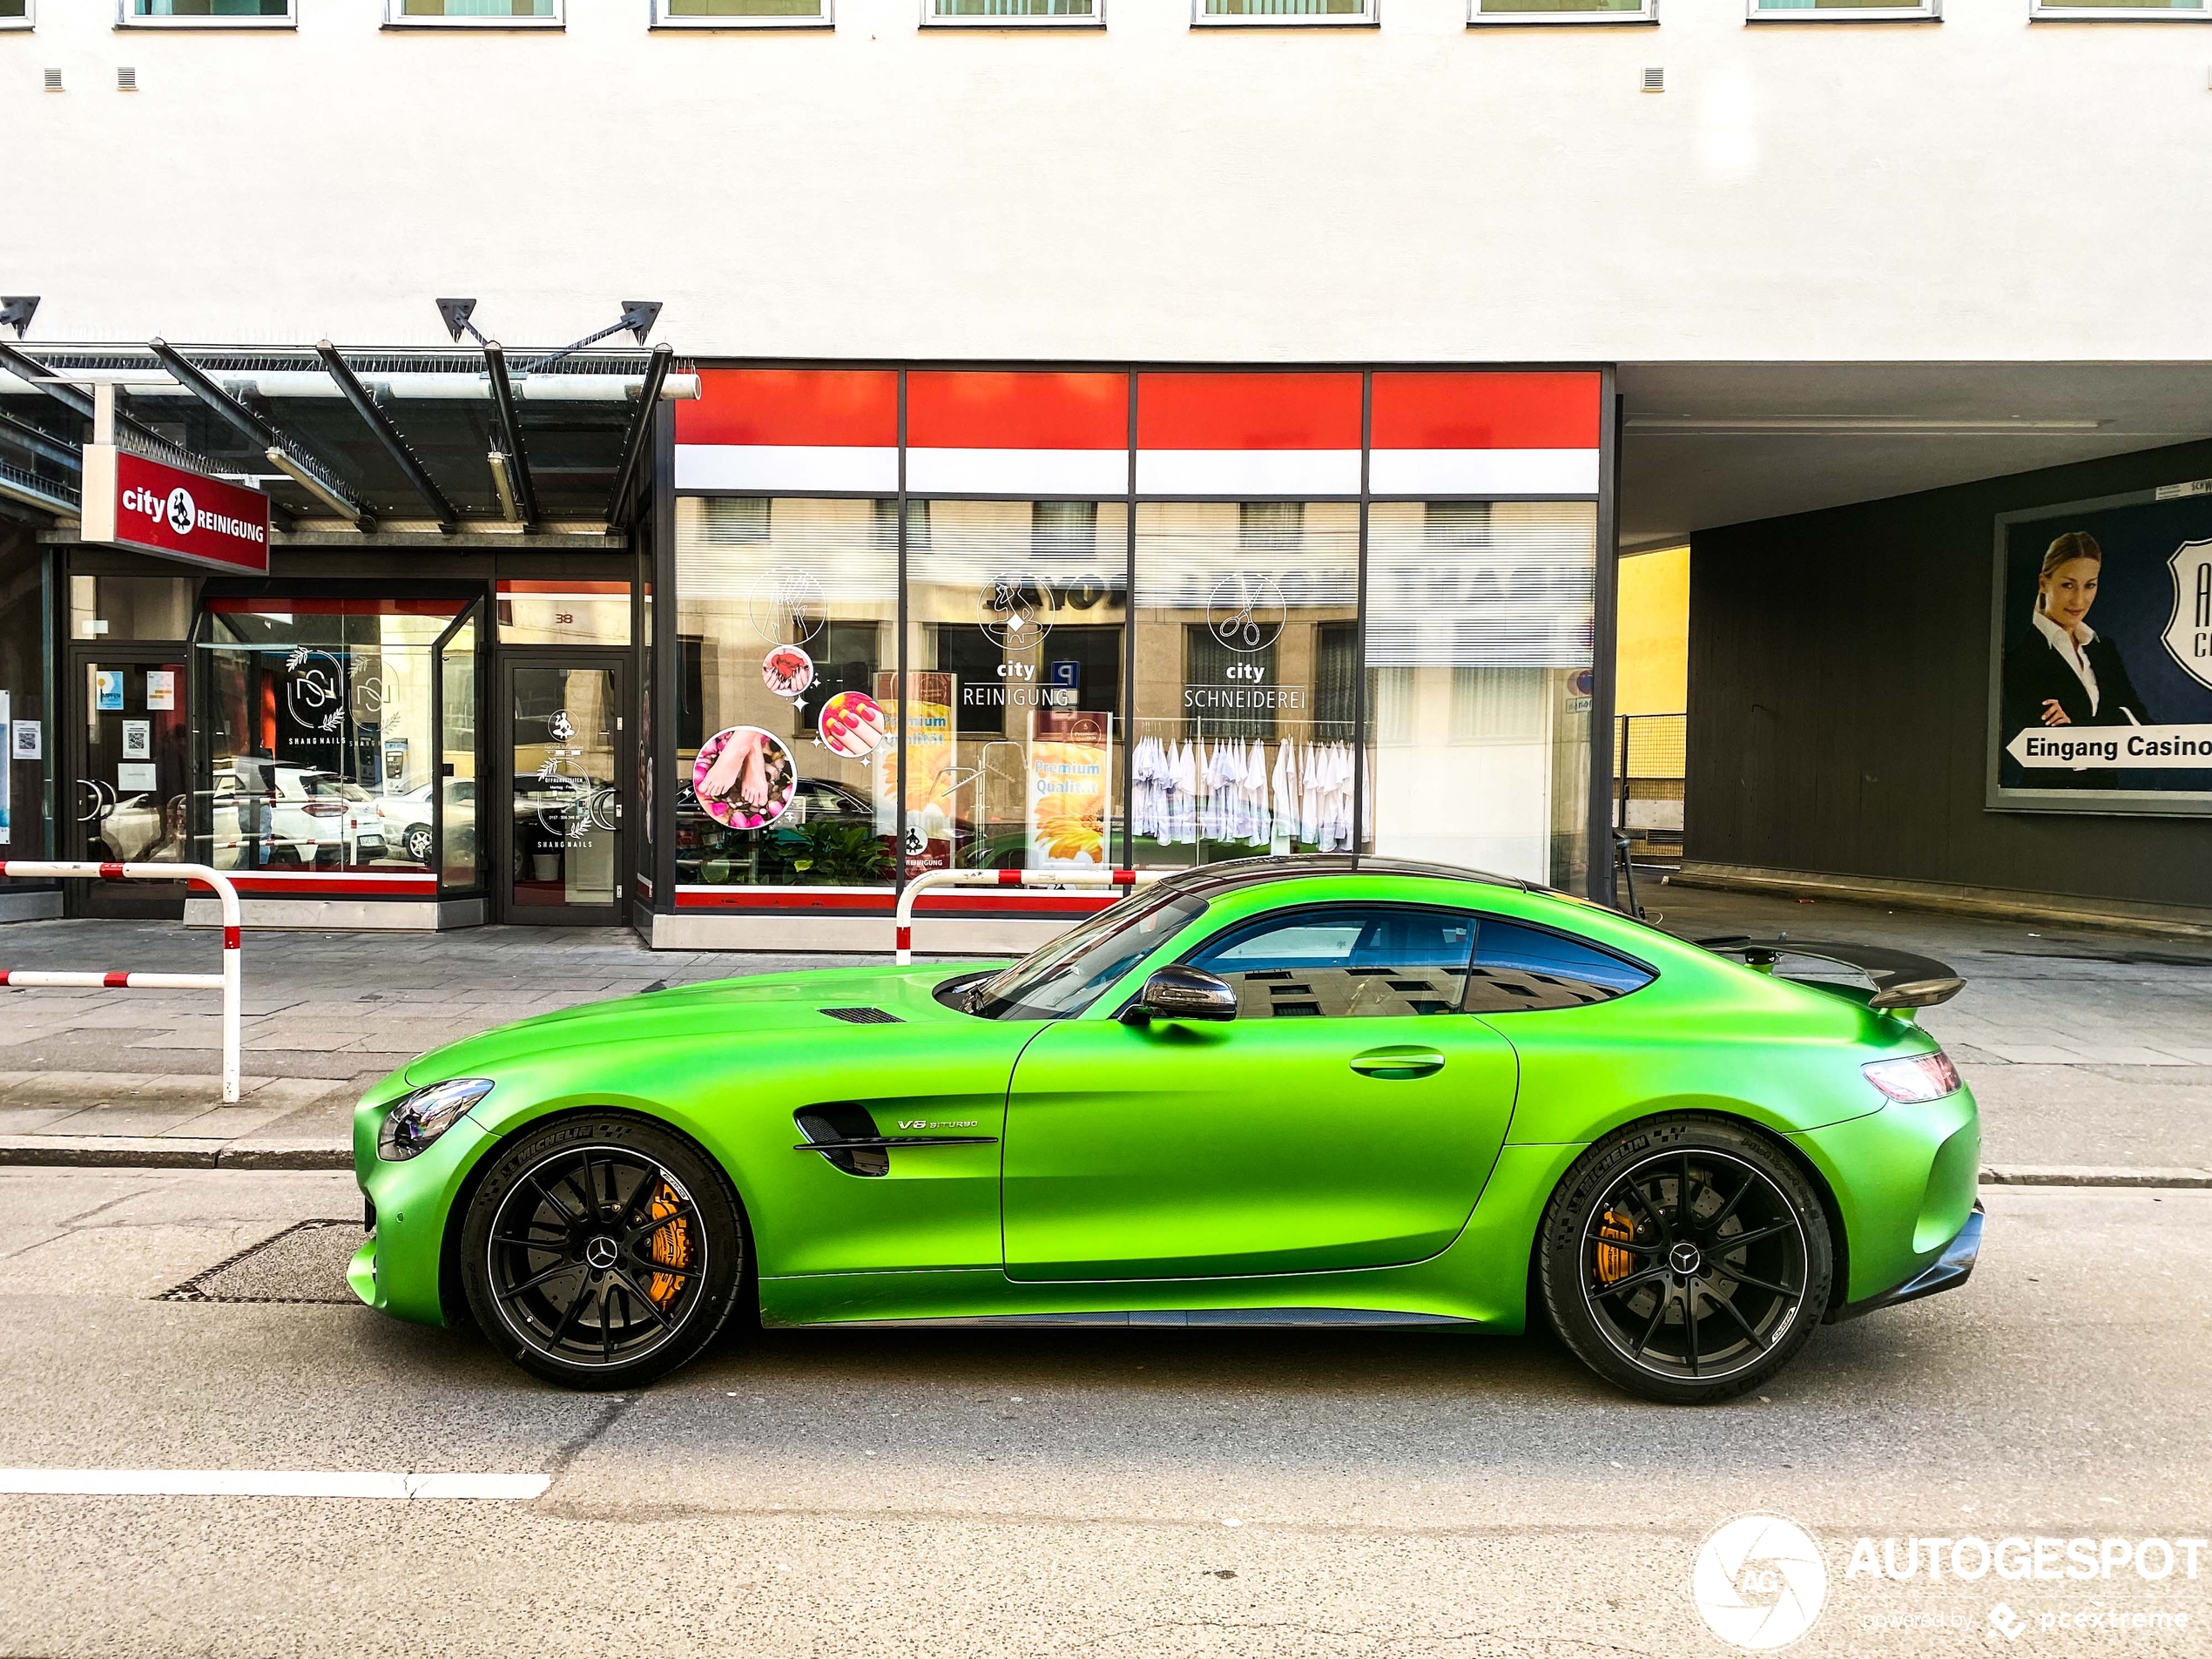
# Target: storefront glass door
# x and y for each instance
(131, 766)
(564, 725)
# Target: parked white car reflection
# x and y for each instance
(294, 815)
(407, 817)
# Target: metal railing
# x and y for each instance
(929, 878)
(1649, 779)
(229, 982)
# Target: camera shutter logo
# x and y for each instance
(2188, 631)
(1759, 1582)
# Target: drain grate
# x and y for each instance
(305, 1263)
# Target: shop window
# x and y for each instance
(26, 820)
(1479, 621)
(130, 607)
(326, 736)
(1246, 673)
(786, 743)
(481, 14)
(1284, 11)
(738, 13)
(1528, 12)
(1016, 13)
(2120, 11)
(1844, 11)
(1019, 607)
(219, 13)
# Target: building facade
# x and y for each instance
(1106, 433)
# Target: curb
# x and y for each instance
(2080, 1175)
(120, 1151)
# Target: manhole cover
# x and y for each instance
(305, 1263)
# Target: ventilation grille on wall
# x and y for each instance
(127, 80)
(53, 80)
(1655, 80)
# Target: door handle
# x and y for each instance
(1394, 1063)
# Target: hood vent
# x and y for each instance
(864, 1016)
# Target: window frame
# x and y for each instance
(1096, 20)
(662, 19)
(29, 20)
(2059, 11)
(394, 19)
(1923, 11)
(1371, 18)
(1648, 13)
(124, 20)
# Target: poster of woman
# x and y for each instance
(2093, 708)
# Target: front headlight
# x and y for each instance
(417, 1121)
(1915, 1079)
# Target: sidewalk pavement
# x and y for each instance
(2090, 1052)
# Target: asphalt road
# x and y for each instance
(1275, 1493)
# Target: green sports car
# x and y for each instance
(1306, 1091)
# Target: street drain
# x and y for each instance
(305, 1263)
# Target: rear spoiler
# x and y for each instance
(1900, 979)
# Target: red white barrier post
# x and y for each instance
(928, 879)
(229, 982)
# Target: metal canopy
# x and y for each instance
(395, 441)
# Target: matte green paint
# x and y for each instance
(1246, 1166)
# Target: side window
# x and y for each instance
(1517, 967)
(1364, 962)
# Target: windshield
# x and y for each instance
(1071, 973)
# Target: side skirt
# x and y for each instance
(1365, 1318)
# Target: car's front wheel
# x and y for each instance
(602, 1252)
(420, 844)
(1686, 1259)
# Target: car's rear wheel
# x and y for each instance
(419, 843)
(602, 1252)
(1686, 1259)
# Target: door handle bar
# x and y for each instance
(1401, 1064)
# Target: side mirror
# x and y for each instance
(1179, 993)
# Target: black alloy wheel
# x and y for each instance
(601, 1252)
(1686, 1260)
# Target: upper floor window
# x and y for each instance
(474, 14)
(1007, 14)
(1562, 10)
(15, 14)
(738, 13)
(1845, 11)
(221, 14)
(2121, 10)
(1276, 13)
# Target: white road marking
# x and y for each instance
(270, 1483)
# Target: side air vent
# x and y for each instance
(864, 1016)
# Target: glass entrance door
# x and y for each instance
(564, 726)
(131, 765)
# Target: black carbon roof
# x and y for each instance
(1245, 872)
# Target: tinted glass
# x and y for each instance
(1355, 961)
(1074, 971)
(1517, 967)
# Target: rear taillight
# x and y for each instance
(1915, 1079)
(326, 809)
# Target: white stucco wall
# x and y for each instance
(1978, 189)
